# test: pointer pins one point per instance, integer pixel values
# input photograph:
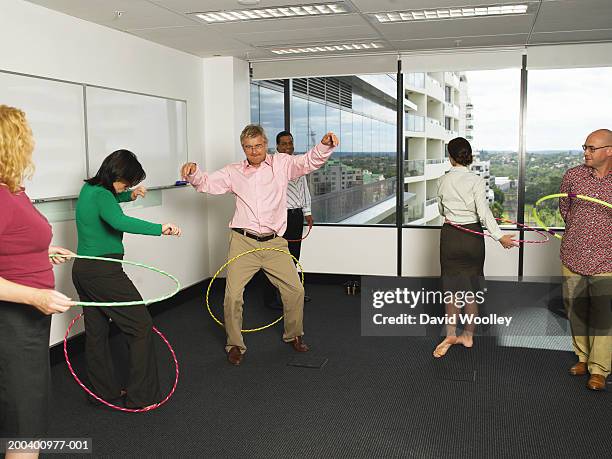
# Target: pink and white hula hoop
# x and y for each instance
(110, 405)
(524, 241)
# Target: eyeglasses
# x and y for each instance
(592, 149)
(259, 147)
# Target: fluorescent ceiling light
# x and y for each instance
(327, 48)
(450, 13)
(280, 12)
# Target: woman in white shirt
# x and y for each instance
(462, 200)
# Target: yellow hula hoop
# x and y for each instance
(249, 330)
(562, 195)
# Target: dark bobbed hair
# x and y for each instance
(119, 165)
(461, 151)
(283, 134)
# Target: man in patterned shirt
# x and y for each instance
(586, 254)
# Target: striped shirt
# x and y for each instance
(298, 195)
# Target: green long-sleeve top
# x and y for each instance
(101, 222)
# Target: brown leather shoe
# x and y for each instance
(298, 344)
(234, 356)
(579, 369)
(597, 382)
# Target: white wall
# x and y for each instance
(42, 42)
(226, 112)
(354, 250)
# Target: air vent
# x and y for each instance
(332, 90)
(316, 88)
(300, 86)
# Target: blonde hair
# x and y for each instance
(253, 130)
(16, 147)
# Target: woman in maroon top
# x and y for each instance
(27, 297)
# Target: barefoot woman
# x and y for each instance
(462, 199)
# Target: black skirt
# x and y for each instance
(24, 370)
(462, 257)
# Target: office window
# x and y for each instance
(483, 107)
(268, 108)
(564, 106)
(357, 185)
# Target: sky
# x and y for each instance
(563, 107)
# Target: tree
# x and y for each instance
(497, 209)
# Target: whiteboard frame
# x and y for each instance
(84, 87)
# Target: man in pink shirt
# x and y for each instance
(260, 186)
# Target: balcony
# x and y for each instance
(451, 79)
(340, 205)
(414, 123)
(451, 110)
(434, 88)
(413, 212)
(414, 168)
(434, 129)
(435, 168)
(431, 209)
(415, 80)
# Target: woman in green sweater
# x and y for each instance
(100, 225)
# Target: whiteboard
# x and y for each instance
(153, 128)
(55, 113)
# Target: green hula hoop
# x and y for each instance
(260, 249)
(126, 303)
(562, 195)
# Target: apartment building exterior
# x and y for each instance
(358, 185)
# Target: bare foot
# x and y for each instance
(466, 340)
(442, 348)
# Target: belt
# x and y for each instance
(254, 236)
(297, 209)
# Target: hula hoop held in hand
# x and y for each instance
(231, 260)
(122, 304)
(126, 303)
(563, 195)
(299, 240)
(524, 241)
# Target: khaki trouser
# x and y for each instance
(588, 303)
(281, 271)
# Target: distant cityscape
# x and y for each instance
(358, 184)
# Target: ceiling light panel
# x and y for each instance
(328, 48)
(280, 12)
(450, 13)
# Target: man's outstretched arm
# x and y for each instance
(217, 182)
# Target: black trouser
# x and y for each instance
(105, 281)
(24, 371)
(295, 228)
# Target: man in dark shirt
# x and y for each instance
(586, 254)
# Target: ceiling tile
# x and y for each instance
(135, 13)
(405, 5)
(188, 6)
(465, 42)
(574, 36)
(289, 25)
(334, 34)
(457, 27)
(574, 15)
